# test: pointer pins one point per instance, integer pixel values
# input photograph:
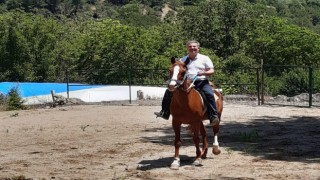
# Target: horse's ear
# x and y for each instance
(173, 60)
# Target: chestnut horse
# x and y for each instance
(187, 107)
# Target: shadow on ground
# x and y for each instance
(273, 138)
(285, 139)
(164, 162)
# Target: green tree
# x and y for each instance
(135, 14)
(12, 62)
(29, 42)
(219, 25)
(68, 49)
(278, 42)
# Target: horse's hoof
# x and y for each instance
(216, 150)
(174, 167)
(175, 164)
(204, 155)
(197, 162)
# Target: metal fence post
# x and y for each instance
(68, 90)
(130, 84)
(310, 85)
(258, 86)
(262, 84)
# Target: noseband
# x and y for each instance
(179, 82)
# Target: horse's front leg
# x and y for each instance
(177, 143)
(204, 141)
(196, 140)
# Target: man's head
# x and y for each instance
(193, 48)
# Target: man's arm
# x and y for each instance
(206, 72)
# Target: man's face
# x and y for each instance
(193, 48)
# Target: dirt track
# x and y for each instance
(128, 142)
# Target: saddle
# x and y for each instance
(204, 98)
(202, 95)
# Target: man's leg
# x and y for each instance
(165, 112)
(212, 108)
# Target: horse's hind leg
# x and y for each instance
(204, 141)
(216, 127)
(215, 149)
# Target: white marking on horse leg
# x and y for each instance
(175, 164)
(215, 142)
(197, 162)
(215, 149)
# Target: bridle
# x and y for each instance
(179, 83)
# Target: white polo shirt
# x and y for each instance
(200, 63)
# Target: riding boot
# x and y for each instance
(165, 112)
(212, 113)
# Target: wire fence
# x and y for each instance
(269, 84)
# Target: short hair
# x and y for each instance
(193, 41)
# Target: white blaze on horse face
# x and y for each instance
(174, 77)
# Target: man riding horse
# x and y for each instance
(199, 68)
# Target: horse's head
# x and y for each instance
(177, 74)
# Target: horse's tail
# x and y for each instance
(215, 87)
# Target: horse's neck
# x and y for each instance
(186, 95)
(186, 86)
(186, 102)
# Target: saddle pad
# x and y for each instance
(216, 98)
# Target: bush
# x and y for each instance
(295, 82)
(273, 85)
(14, 100)
(2, 99)
(316, 81)
(291, 82)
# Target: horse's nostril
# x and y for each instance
(171, 88)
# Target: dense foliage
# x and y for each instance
(118, 42)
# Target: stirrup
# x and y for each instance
(162, 114)
(214, 120)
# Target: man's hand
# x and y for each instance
(201, 73)
(206, 72)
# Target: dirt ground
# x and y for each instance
(128, 142)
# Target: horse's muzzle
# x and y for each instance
(171, 88)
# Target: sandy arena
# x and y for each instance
(128, 142)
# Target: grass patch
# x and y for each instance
(251, 136)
